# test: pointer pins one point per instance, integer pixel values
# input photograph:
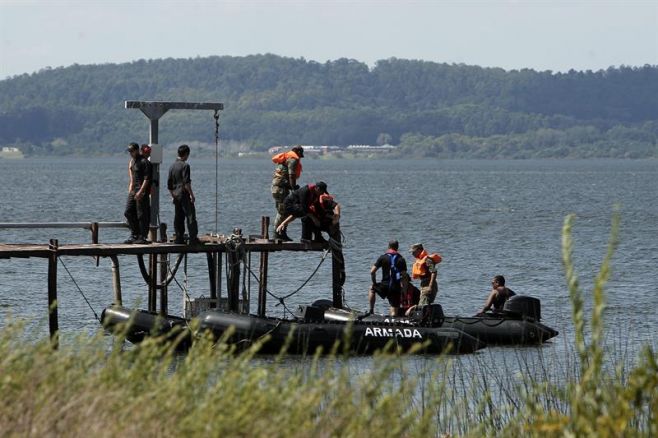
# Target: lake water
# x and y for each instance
(484, 217)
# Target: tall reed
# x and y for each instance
(88, 389)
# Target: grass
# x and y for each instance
(86, 389)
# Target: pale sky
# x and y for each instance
(543, 35)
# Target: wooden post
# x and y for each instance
(218, 277)
(262, 280)
(164, 263)
(234, 282)
(53, 322)
(116, 281)
(153, 280)
(337, 270)
(212, 272)
(94, 238)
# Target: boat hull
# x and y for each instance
(490, 329)
(502, 330)
(296, 336)
(359, 337)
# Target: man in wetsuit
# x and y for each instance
(285, 178)
(498, 295)
(179, 184)
(393, 267)
(138, 205)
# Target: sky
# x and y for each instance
(542, 35)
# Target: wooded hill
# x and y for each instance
(427, 108)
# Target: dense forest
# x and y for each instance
(428, 109)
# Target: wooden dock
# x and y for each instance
(212, 245)
(209, 245)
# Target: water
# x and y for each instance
(484, 217)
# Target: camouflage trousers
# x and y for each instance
(279, 194)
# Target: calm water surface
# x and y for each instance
(484, 217)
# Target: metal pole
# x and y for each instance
(53, 323)
(262, 280)
(164, 263)
(116, 281)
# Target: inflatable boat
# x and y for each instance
(518, 323)
(309, 331)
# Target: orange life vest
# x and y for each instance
(419, 269)
(282, 157)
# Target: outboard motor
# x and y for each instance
(430, 315)
(523, 306)
(310, 314)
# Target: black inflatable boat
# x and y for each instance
(517, 324)
(310, 330)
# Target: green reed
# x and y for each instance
(88, 389)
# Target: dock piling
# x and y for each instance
(53, 322)
(116, 281)
(264, 258)
(164, 263)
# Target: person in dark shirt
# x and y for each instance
(301, 203)
(138, 205)
(179, 184)
(393, 267)
(497, 297)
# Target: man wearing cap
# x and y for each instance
(299, 203)
(393, 267)
(286, 174)
(179, 184)
(424, 269)
(138, 205)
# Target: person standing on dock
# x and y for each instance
(138, 205)
(424, 269)
(393, 267)
(179, 184)
(286, 175)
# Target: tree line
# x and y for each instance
(427, 108)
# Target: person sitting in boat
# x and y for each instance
(393, 266)
(410, 294)
(498, 295)
(299, 203)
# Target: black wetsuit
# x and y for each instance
(184, 210)
(138, 212)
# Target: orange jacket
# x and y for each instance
(419, 269)
(282, 157)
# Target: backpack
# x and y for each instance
(395, 272)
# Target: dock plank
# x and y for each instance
(109, 249)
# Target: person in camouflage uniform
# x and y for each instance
(285, 179)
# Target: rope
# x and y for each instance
(479, 320)
(79, 290)
(281, 300)
(216, 117)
